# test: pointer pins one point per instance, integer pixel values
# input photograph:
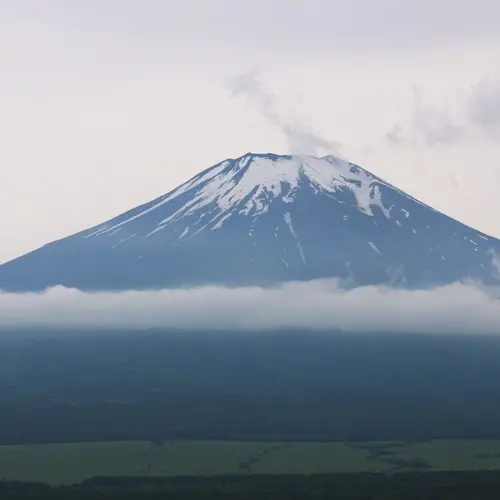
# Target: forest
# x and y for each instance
(480, 485)
(274, 386)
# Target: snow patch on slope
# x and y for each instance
(374, 247)
(288, 219)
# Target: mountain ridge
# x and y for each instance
(262, 219)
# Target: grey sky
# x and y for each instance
(106, 104)
(277, 24)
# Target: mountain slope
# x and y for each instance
(261, 220)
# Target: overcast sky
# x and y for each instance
(105, 104)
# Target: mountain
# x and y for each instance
(263, 219)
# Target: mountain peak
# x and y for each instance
(248, 185)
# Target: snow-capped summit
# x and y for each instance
(262, 219)
(249, 185)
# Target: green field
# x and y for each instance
(69, 463)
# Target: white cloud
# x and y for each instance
(495, 260)
(455, 309)
(300, 138)
(483, 106)
(428, 125)
(477, 114)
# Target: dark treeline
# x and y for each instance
(87, 386)
(479, 485)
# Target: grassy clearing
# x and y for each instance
(69, 463)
